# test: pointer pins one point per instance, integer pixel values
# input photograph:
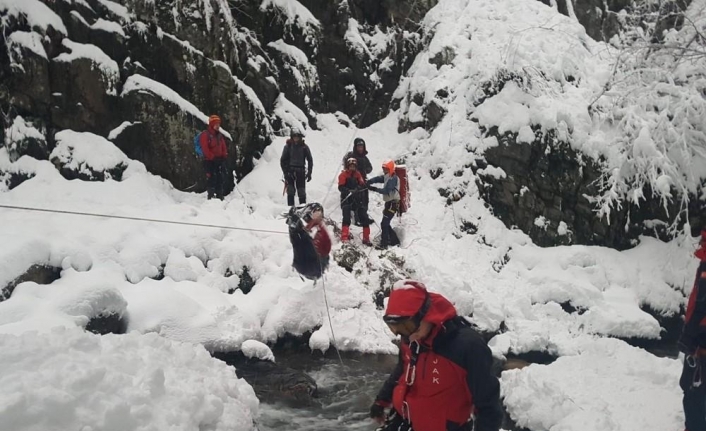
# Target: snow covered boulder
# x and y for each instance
(26, 137)
(72, 380)
(27, 72)
(87, 157)
(84, 82)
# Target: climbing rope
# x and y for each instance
(328, 313)
(112, 216)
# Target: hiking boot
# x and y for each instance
(345, 233)
(366, 236)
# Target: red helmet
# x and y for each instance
(389, 165)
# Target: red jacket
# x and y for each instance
(350, 180)
(452, 377)
(693, 335)
(213, 145)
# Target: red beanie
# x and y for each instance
(213, 119)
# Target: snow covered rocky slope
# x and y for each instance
(109, 132)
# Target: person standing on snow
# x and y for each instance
(215, 153)
(295, 157)
(391, 195)
(443, 379)
(360, 154)
(351, 185)
(693, 343)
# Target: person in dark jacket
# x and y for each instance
(443, 379)
(311, 255)
(693, 343)
(391, 196)
(215, 153)
(360, 153)
(297, 165)
(352, 186)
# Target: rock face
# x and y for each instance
(257, 65)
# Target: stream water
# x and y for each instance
(345, 393)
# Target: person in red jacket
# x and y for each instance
(352, 186)
(215, 153)
(443, 379)
(693, 343)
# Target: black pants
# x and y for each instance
(389, 237)
(215, 177)
(694, 396)
(296, 184)
(354, 204)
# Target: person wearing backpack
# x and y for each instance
(297, 164)
(212, 144)
(443, 380)
(391, 196)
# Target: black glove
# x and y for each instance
(377, 411)
(375, 189)
(308, 176)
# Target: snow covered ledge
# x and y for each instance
(71, 380)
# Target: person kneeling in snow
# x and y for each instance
(443, 380)
(352, 186)
(311, 255)
(693, 343)
(391, 195)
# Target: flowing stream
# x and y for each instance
(345, 393)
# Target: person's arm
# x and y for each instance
(342, 183)
(694, 332)
(483, 384)
(284, 159)
(310, 162)
(378, 179)
(224, 145)
(368, 168)
(359, 179)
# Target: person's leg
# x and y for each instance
(301, 186)
(209, 167)
(385, 225)
(220, 178)
(694, 400)
(365, 222)
(291, 189)
(345, 228)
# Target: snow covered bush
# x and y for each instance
(656, 98)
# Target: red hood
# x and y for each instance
(407, 297)
(701, 252)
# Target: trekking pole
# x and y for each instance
(245, 201)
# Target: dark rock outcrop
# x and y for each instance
(40, 274)
(107, 324)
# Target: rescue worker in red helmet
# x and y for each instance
(693, 343)
(351, 185)
(390, 192)
(443, 380)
